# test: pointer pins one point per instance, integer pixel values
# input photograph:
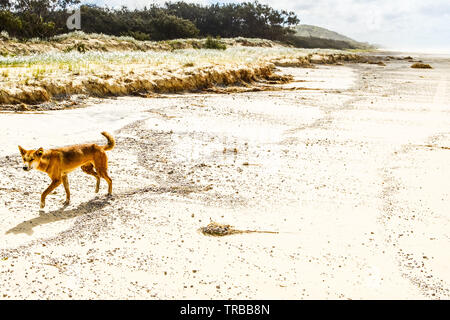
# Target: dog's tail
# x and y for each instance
(111, 142)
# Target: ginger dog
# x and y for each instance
(57, 163)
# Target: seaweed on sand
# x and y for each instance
(217, 229)
(419, 65)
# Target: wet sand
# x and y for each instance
(348, 169)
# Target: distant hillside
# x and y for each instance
(306, 30)
(311, 36)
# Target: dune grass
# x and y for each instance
(76, 63)
(84, 68)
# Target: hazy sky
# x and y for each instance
(398, 24)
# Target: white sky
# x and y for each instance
(395, 24)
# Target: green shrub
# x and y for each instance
(9, 23)
(167, 27)
(80, 47)
(138, 35)
(212, 43)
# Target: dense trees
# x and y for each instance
(147, 24)
(44, 18)
(247, 19)
(40, 8)
(33, 18)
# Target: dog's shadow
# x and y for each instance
(60, 214)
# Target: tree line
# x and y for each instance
(26, 19)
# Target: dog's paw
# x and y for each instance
(42, 204)
(66, 203)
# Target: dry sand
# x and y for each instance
(350, 174)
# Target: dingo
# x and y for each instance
(57, 163)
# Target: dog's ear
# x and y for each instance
(22, 150)
(40, 152)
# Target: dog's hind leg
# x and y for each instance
(104, 175)
(101, 165)
(66, 187)
(89, 169)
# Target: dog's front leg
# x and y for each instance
(51, 187)
(66, 187)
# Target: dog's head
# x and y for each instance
(31, 158)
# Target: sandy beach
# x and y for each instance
(347, 165)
